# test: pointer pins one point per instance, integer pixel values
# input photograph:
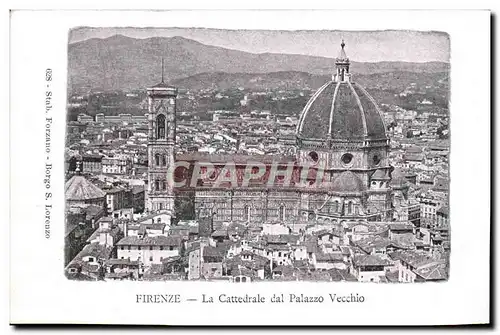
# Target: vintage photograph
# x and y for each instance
(257, 155)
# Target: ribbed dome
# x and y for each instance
(78, 188)
(348, 182)
(341, 110)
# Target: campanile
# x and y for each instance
(161, 145)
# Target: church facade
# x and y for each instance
(340, 173)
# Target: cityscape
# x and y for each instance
(184, 162)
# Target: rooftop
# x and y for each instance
(78, 188)
(370, 260)
(174, 241)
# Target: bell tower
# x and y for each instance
(161, 145)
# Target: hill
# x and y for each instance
(120, 62)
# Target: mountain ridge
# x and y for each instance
(122, 62)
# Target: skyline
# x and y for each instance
(361, 46)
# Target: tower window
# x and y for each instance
(157, 185)
(246, 213)
(163, 160)
(282, 213)
(160, 126)
(157, 159)
(349, 208)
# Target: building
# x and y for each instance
(92, 164)
(81, 222)
(149, 249)
(205, 261)
(429, 205)
(80, 191)
(84, 118)
(442, 216)
(138, 197)
(161, 142)
(341, 169)
(406, 209)
(117, 165)
(118, 198)
(370, 268)
(121, 118)
(419, 267)
(99, 118)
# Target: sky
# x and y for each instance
(361, 46)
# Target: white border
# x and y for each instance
(41, 294)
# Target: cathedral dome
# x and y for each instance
(348, 182)
(341, 110)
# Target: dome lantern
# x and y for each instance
(342, 64)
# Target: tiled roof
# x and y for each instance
(417, 259)
(314, 276)
(443, 210)
(281, 239)
(220, 233)
(244, 271)
(79, 276)
(112, 232)
(153, 216)
(95, 249)
(117, 275)
(392, 277)
(367, 244)
(153, 226)
(400, 226)
(414, 157)
(341, 275)
(125, 261)
(329, 257)
(161, 240)
(433, 272)
(370, 260)
(213, 253)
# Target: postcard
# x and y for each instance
(231, 168)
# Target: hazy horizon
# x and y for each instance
(361, 46)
